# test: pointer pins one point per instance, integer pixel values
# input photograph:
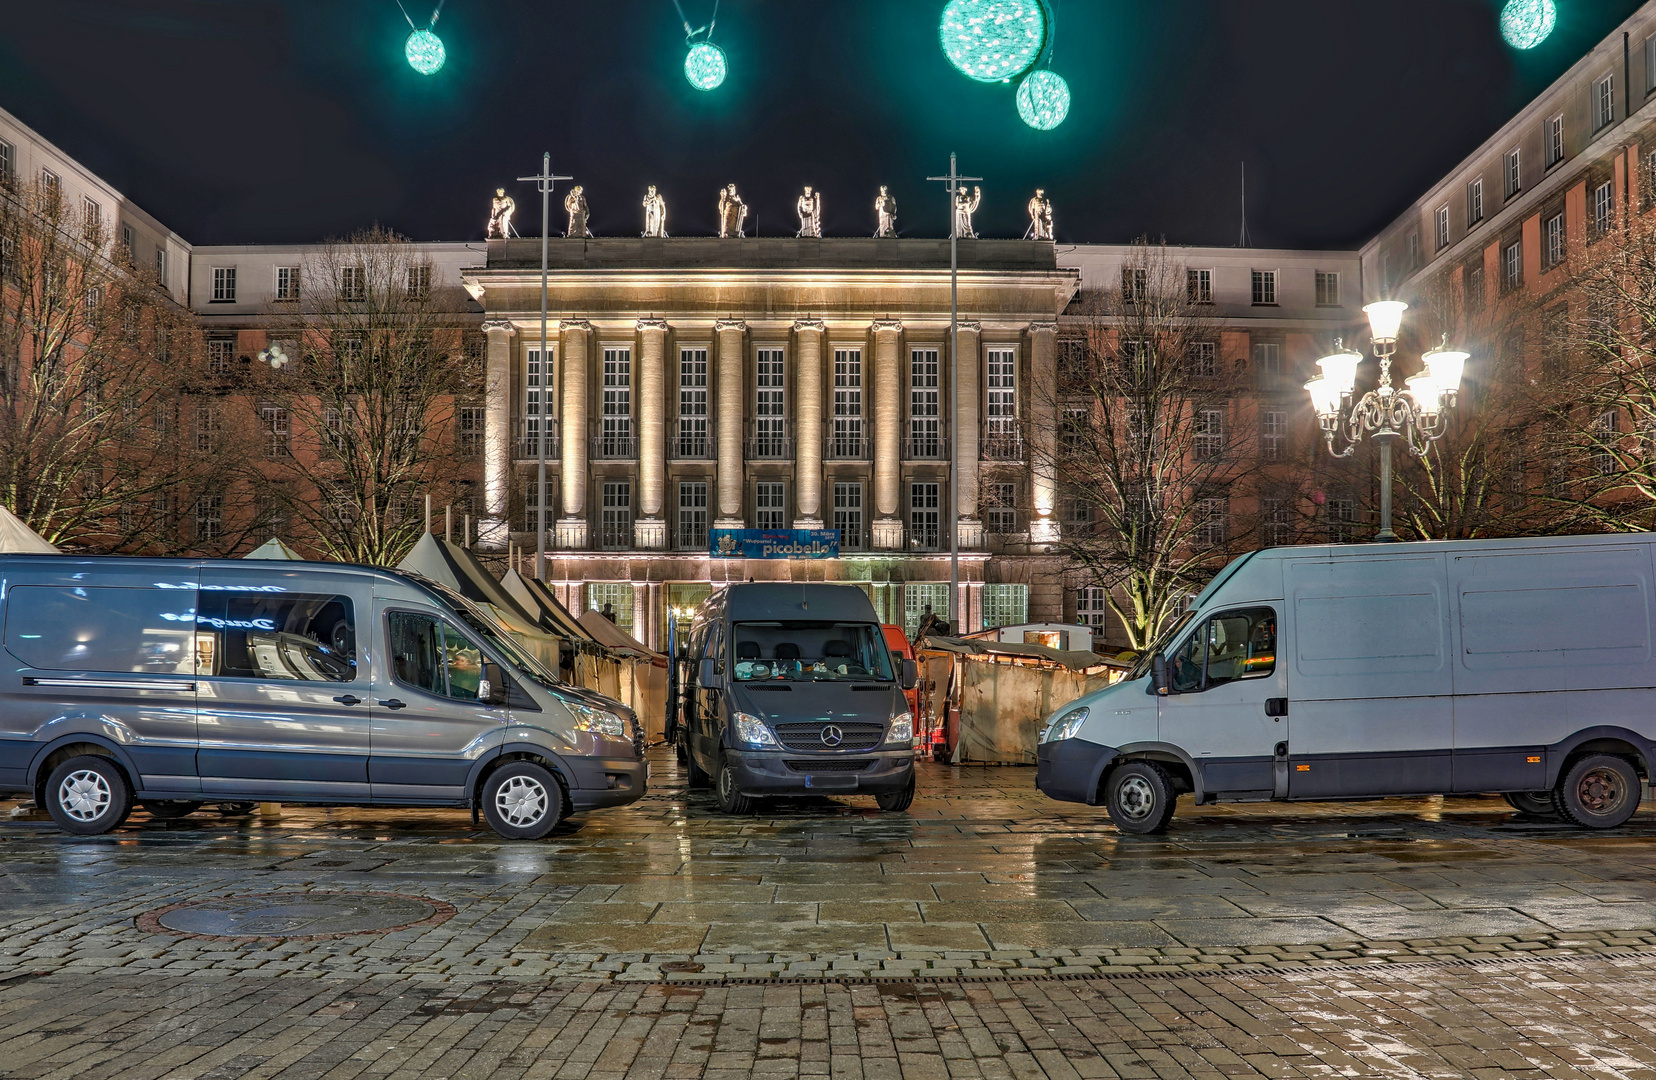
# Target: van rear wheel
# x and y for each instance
(1140, 797)
(1600, 791)
(88, 795)
(1534, 803)
(729, 797)
(522, 800)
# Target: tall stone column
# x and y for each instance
(731, 356)
(968, 393)
(572, 527)
(650, 531)
(808, 423)
(1043, 432)
(888, 433)
(493, 530)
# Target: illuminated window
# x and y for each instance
(615, 530)
(921, 599)
(1001, 436)
(847, 440)
(1092, 608)
(1005, 605)
(925, 435)
(770, 405)
(616, 434)
(1000, 513)
(614, 600)
(848, 515)
(924, 515)
(537, 403)
(692, 441)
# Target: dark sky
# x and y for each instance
(245, 121)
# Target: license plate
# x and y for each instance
(827, 783)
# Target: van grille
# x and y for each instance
(839, 765)
(809, 736)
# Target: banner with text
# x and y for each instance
(774, 543)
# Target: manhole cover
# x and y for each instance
(296, 915)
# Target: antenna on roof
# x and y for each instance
(1243, 241)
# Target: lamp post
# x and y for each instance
(1415, 414)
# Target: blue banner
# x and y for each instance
(774, 544)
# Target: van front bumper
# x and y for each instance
(769, 772)
(600, 782)
(1068, 770)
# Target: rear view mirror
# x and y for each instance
(911, 674)
(1158, 675)
(706, 672)
(491, 688)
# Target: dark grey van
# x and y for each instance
(791, 690)
(172, 683)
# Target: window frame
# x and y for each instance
(1604, 101)
(1512, 172)
(224, 285)
(1554, 134)
(1323, 279)
(1474, 201)
(1264, 288)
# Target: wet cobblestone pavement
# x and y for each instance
(987, 932)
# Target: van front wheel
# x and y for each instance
(88, 795)
(1600, 791)
(729, 797)
(1140, 797)
(522, 801)
(894, 801)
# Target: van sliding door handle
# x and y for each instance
(393, 703)
(348, 699)
(1276, 706)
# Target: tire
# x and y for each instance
(693, 774)
(1140, 797)
(896, 801)
(725, 792)
(170, 809)
(88, 795)
(237, 809)
(1599, 791)
(1533, 803)
(522, 800)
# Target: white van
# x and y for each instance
(1525, 667)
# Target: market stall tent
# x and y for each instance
(17, 538)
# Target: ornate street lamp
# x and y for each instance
(1385, 414)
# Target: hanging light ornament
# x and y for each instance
(993, 40)
(1043, 99)
(1526, 23)
(424, 49)
(704, 64)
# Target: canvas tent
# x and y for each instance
(449, 564)
(534, 597)
(641, 673)
(274, 549)
(17, 538)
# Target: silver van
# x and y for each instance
(171, 683)
(791, 690)
(1524, 667)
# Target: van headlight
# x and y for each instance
(597, 721)
(1067, 725)
(752, 730)
(901, 729)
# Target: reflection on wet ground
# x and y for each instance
(982, 874)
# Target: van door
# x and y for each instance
(707, 726)
(282, 689)
(1228, 704)
(429, 729)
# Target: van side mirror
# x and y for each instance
(707, 672)
(1158, 675)
(491, 688)
(911, 674)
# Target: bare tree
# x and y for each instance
(1151, 449)
(98, 376)
(356, 409)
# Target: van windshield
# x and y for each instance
(810, 652)
(484, 627)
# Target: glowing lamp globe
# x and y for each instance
(1325, 397)
(704, 65)
(993, 40)
(425, 52)
(1043, 100)
(1526, 23)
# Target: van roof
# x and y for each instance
(764, 601)
(136, 562)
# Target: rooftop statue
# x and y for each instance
(965, 206)
(575, 202)
(885, 209)
(501, 209)
(732, 213)
(1040, 216)
(810, 213)
(655, 213)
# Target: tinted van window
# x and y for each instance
(87, 628)
(308, 637)
(429, 654)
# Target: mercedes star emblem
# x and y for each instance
(832, 736)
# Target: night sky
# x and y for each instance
(274, 121)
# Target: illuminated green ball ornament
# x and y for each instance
(1526, 23)
(993, 40)
(425, 52)
(704, 65)
(1043, 100)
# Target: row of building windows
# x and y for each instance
(353, 283)
(1199, 287)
